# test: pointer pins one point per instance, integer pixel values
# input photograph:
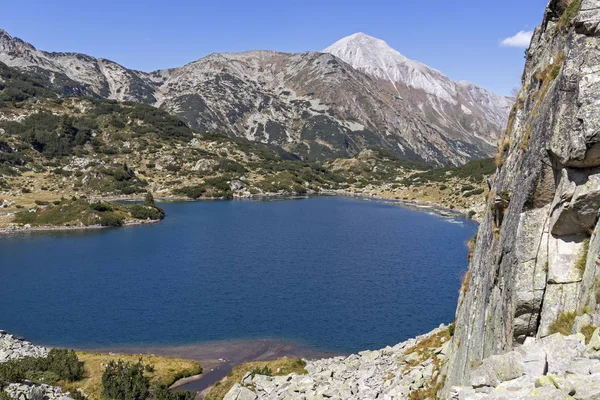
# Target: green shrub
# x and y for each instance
(451, 329)
(146, 212)
(149, 200)
(101, 206)
(163, 393)
(111, 219)
(262, 371)
(193, 192)
(65, 364)
(569, 14)
(42, 377)
(473, 192)
(124, 381)
(60, 364)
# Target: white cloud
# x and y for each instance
(521, 39)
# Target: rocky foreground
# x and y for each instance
(390, 373)
(555, 367)
(13, 348)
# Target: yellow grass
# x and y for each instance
(166, 370)
(280, 367)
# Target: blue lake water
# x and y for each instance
(332, 273)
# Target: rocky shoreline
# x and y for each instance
(14, 348)
(15, 229)
(390, 373)
(556, 367)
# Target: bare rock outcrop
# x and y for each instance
(535, 262)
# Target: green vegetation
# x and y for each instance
(125, 381)
(280, 367)
(59, 365)
(16, 87)
(68, 143)
(564, 323)
(82, 212)
(474, 171)
(124, 375)
(569, 14)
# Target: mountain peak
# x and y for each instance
(365, 46)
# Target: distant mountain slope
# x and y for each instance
(452, 106)
(312, 104)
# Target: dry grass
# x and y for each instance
(280, 367)
(166, 370)
(564, 323)
(425, 349)
(588, 331)
(582, 258)
(464, 288)
(571, 8)
(525, 142)
(471, 245)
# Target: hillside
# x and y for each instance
(458, 107)
(314, 105)
(55, 145)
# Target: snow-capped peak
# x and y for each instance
(376, 58)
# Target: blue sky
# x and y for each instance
(461, 38)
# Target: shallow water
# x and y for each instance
(331, 273)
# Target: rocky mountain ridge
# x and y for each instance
(456, 106)
(311, 104)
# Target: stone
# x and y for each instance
(557, 382)
(577, 208)
(583, 366)
(588, 20)
(238, 392)
(535, 361)
(498, 369)
(594, 344)
(547, 393)
(561, 350)
(587, 387)
(12, 348)
(514, 389)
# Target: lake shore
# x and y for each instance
(218, 358)
(15, 229)
(424, 206)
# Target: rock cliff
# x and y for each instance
(534, 269)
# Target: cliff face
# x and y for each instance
(536, 252)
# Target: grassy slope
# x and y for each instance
(74, 146)
(166, 370)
